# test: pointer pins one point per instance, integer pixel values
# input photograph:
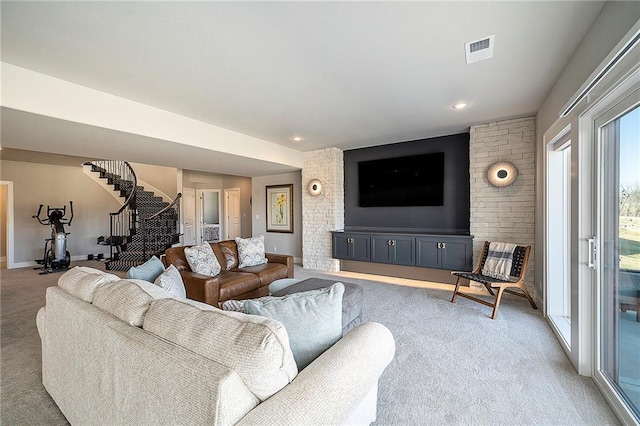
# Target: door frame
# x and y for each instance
(199, 192)
(10, 224)
(225, 222)
(623, 99)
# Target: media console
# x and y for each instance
(439, 251)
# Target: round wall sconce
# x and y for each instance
(314, 187)
(502, 173)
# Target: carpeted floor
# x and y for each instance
(453, 364)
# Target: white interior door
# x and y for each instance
(189, 216)
(208, 213)
(233, 227)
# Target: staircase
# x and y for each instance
(144, 226)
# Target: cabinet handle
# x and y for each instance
(444, 245)
(439, 245)
(349, 240)
(392, 242)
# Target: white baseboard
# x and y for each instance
(33, 263)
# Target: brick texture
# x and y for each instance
(323, 213)
(503, 214)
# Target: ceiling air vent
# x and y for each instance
(479, 50)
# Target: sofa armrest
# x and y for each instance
(281, 258)
(333, 386)
(200, 287)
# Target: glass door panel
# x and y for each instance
(619, 260)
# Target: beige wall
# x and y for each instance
(3, 221)
(200, 180)
(53, 185)
(56, 185)
(162, 178)
(276, 241)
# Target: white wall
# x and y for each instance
(613, 22)
(323, 213)
(275, 241)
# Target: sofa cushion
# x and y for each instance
(148, 271)
(171, 281)
(256, 348)
(267, 272)
(202, 260)
(229, 251)
(250, 251)
(313, 320)
(129, 300)
(82, 282)
(233, 284)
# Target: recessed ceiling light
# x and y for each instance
(297, 138)
(460, 105)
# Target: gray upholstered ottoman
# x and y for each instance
(351, 301)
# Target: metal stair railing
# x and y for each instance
(122, 222)
(153, 240)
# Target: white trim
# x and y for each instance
(33, 263)
(221, 216)
(614, 101)
(10, 225)
(626, 45)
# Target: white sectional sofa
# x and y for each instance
(125, 352)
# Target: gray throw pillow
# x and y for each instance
(202, 260)
(171, 281)
(148, 271)
(313, 320)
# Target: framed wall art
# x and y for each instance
(280, 208)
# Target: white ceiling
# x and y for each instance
(344, 74)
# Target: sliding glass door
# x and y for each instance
(618, 246)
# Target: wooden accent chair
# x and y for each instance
(518, 270)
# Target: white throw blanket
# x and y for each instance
(499, 260)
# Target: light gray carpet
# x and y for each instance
(453, 364)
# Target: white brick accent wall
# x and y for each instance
(503, 214)
(325, 212)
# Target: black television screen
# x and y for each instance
(416, 180)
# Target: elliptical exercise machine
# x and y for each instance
(56, 257)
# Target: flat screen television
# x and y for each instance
(416, 180)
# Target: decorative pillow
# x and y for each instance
(250, 251)
(238, 305)
(312, 319)
(171, 281)
(148, 271)
(129, 299)
(82, 282)
(202, 260)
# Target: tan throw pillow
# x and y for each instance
(202, 260)
(250, 251)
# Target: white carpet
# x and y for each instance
(455, 365)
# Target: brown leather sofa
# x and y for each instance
(232, 282)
